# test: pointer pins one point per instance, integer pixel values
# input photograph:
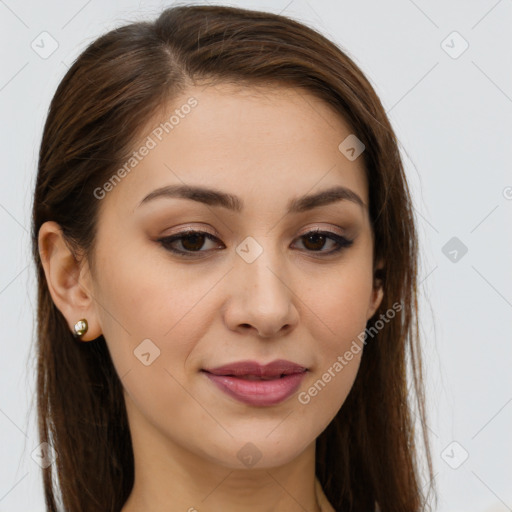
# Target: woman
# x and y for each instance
(226, 259)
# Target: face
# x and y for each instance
(263, 275)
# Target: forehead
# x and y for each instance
(255, 142)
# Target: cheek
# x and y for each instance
(339, 349)
(155, 317)
(341, 318)
(339, 299)
(143, 295)
(339, 303)
(324, 394)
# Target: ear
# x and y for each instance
(378, 290)
(68, 281)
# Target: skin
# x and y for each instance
(294, 302)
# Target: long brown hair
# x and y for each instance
(367, 456)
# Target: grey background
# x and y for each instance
(453, 119)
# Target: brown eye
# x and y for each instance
(193, 242)
(190, 241)
(315, 241)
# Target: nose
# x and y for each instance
(261, 298)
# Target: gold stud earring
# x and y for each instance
(81, 328)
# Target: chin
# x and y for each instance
(259, 451)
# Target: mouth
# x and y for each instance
(255, 370)
(256, 377)
(258, 385)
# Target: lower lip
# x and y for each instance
(258, 392)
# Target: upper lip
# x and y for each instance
(253, 368)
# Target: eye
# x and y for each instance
(315, 241)
(192, 242)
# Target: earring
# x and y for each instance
(81, 328)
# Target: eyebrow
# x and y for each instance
(231, 202)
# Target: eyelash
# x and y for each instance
(341, 242)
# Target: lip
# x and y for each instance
(258, 385)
